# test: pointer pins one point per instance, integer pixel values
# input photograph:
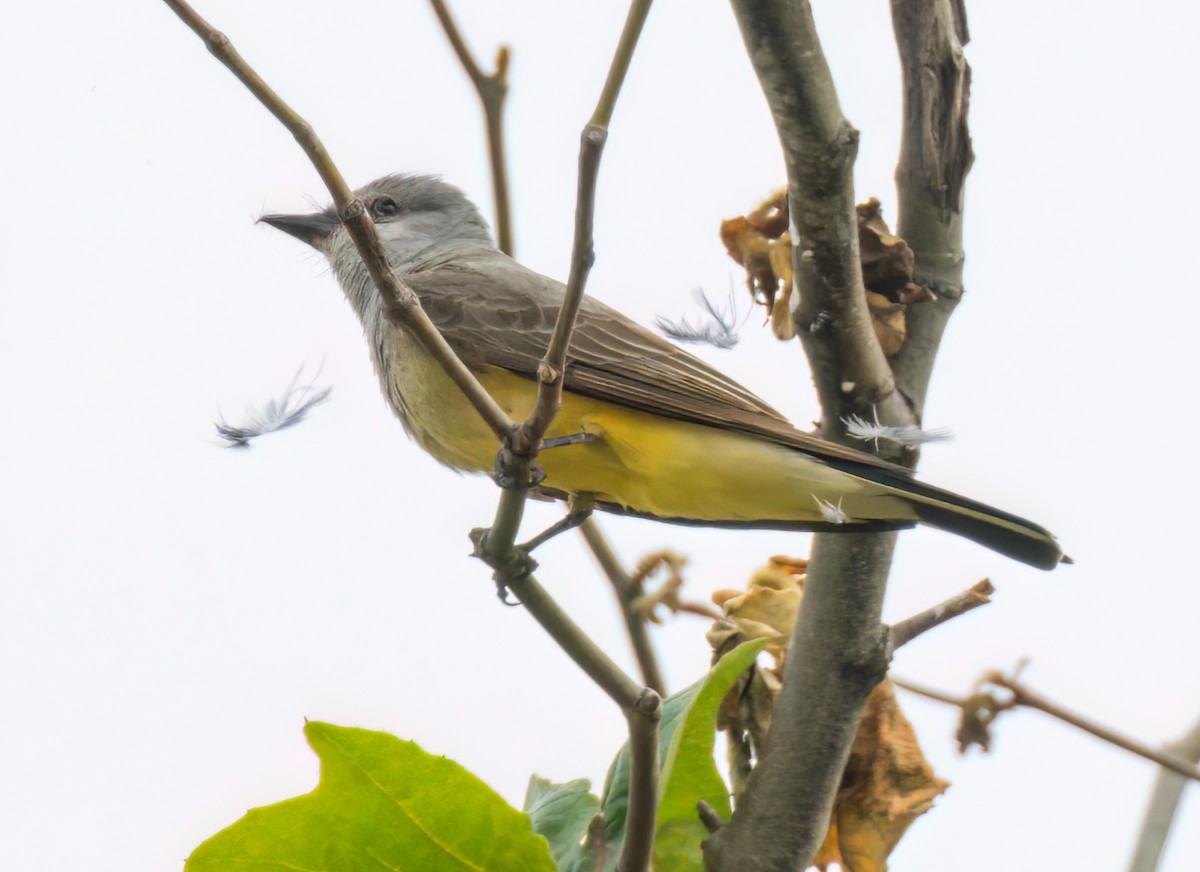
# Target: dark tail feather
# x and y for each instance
(1008, 534)
(1011, 536)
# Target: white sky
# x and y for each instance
(171, 611)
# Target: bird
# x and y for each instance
(645, 428)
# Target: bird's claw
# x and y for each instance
(516, 565)
(512, 471)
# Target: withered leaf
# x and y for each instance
(887, 783)
(886, 786)
(761, 242)
(888, 320)
(974, 727)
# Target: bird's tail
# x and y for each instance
(1008, 534)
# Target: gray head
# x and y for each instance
(421, 220)
(418, 217)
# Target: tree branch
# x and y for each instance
(399, 300)
(839, 652)
(837, 655)
(1164, 800)
(622, 586)
(819, 147)
(492, 89)
(551, 369)
(642, 706)
(973, 597)
(935, 156)
(1021, 696)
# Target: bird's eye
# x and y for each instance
(385, 207)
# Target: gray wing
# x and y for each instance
(493, 311)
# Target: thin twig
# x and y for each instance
(1023, 696)
(929, 692)
(642, 706)
(492, 89)
(551, 369)
(903, 632)
(1019, 695)
(399, 299)
(1164, 800)
(528, 435)
(622, 586)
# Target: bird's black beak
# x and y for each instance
(313, 229)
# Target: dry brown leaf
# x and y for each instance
(886, 786)
(975, 725)
(887, 783)
(887, 261)
(888, 320)
(767, 608)
(761, 242)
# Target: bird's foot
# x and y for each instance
(580, 508)
(515, 471)
(573, 439)
(513, 566)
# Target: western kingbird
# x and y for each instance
(668, 437)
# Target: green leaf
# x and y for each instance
(695, 781)
(616, 785)
(561, 813)
(382, 804)
(689, 772)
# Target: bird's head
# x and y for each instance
(417, 217)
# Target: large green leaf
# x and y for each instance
(561, 813)
(616, 785)
(382, 804)
(684, 772)
(689, 772)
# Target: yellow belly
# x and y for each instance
(649, 464)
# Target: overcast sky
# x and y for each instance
(171, 611)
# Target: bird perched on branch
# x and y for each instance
(645, 428)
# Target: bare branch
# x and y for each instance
(839, 653)
(819, 147)
(399, 299)
(975, 596)
(839, 648)
(550, 370)
(642, 706)
(1023, 696)
(935, 156)
(492, 89)
(1020, 695)
(1164, 800)
(928, 692)
(623, 587)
